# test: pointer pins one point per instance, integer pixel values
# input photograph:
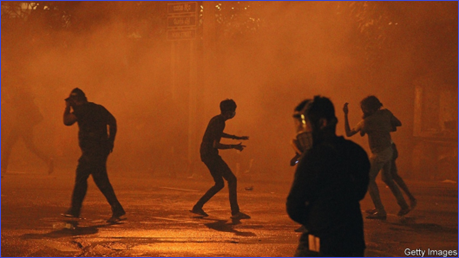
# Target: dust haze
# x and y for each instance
(301, 49)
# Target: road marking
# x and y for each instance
(163, 218)
(179, 189)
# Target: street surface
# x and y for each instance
(160, 224)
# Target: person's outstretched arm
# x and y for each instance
(234, 137)
(218, 145)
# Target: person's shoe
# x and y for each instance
(199, 211)
(116, 219)
(413, 203)
(371, 211)
(403, 211)
(377, 215)
(240, 215)
(69, 214)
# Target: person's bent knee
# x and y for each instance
(372, 184)
(373, 177)
(386, 180)
(219, 185)
(396, 177)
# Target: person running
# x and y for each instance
(377, 123)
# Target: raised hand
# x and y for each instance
(345, 108)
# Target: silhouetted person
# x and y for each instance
(96, 144)
(330, 180)
(25, 116)
(214, 162)
(377, 123)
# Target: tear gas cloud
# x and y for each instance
(300, 49)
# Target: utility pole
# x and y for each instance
(209, 52)
(182, 19)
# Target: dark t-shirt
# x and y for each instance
(213, 132)
(330, 180)
(92, 123)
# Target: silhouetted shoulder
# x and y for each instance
(216, 123)
(352, 147)
(99, 108)
(386, 112)
(218, 119)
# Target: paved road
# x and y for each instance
(159, 223)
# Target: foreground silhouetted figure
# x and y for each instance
(330, 180)
(377, 123)
(95, 145)
(214, 162)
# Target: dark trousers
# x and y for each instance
(219, 171)
(94, 162)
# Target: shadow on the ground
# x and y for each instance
(410, 223)
(66, 229)
(225, 226)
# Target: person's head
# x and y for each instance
(303, 140)
(320, 117)
(370, 105)
(228, 108)
(77, 97)
(299, 116)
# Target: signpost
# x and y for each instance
(181, 34)
(182, 16)
(178, 22)
(182, 8)
(182, 20)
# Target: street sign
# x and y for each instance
(182, 8)
(181, 34)
(181, 21)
